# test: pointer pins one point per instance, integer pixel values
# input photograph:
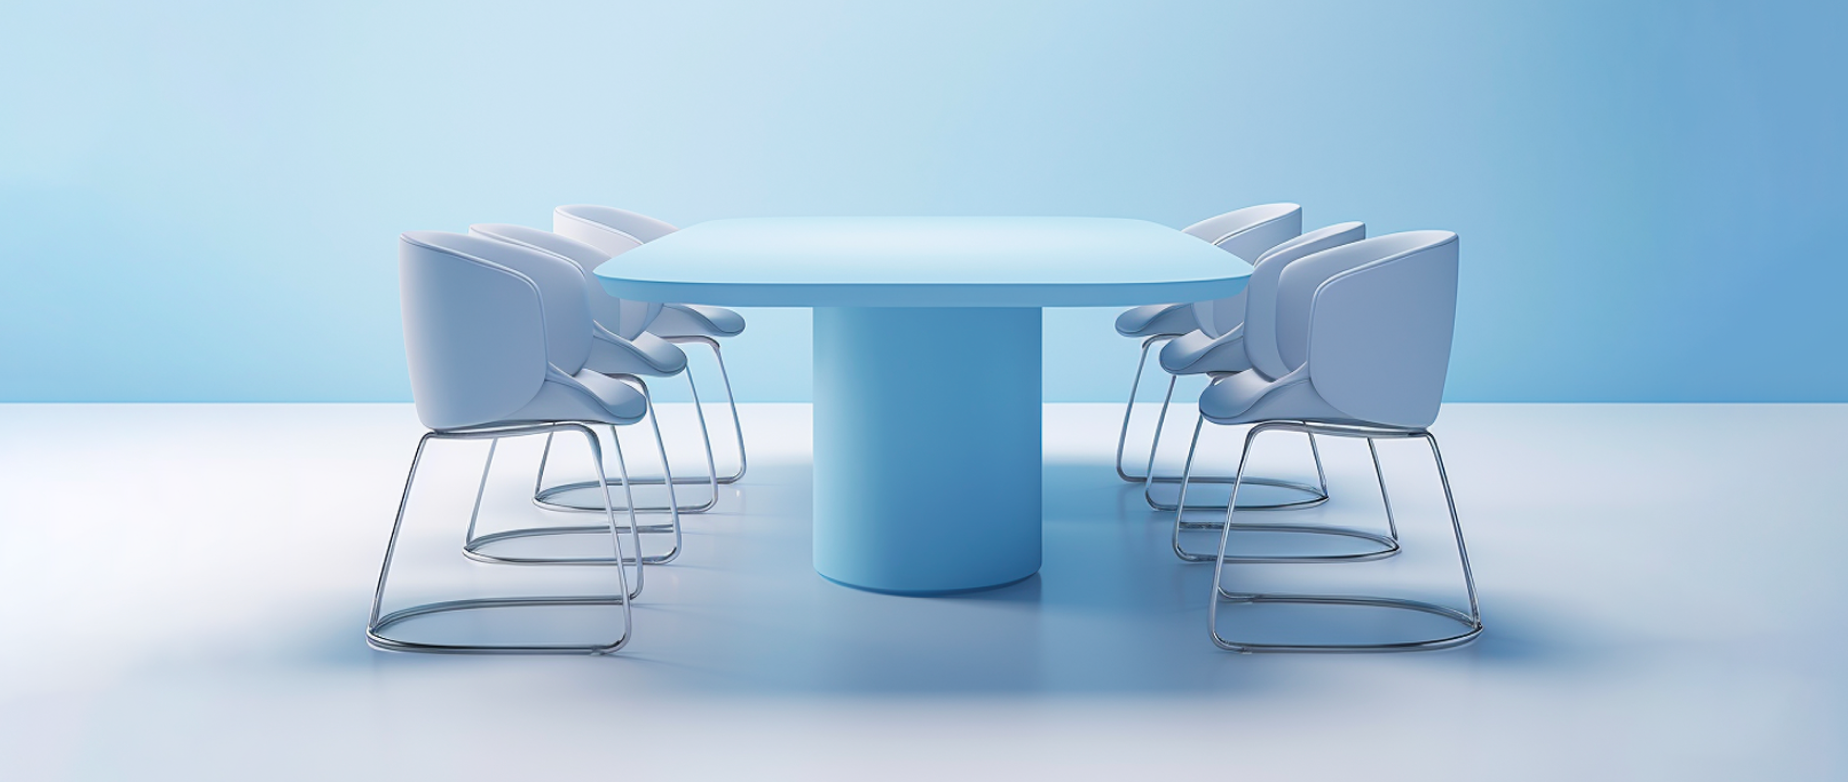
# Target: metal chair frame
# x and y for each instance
(1148, 479)
(550, 498)
(730, 400)
(1130, 409)
(1315, 495)
(472, 545)
(1470, 620)
(377, 624)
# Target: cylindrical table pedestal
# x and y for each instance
(927, 447)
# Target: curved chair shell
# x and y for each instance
(467, 370)
(564, 323)
(562, 293)
(1300, 283)
(623, 317)
(1382, 312)
(1276, 339)
(1220, 316)
(1380, 335)
(607, 228)
(642, 354)
(1248, 232)
(617, 231)
(1210, 348)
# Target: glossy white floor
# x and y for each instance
(186, 584)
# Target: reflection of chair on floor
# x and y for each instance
(619, 348)
(486, 361)
(616, 231)
(1218, 348)
(1245, 233)
(1361, 346)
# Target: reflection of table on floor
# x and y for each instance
(927, 365)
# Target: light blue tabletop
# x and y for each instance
(925, 262)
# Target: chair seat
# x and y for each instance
(1195, 353)
(664, 356)
(1151, 319)
(1250, 396)
(595, 398)
(647, 354)
(696, 320)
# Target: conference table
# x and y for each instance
(927, 365)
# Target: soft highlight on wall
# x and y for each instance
(199, 201)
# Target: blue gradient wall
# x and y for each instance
(198, 202)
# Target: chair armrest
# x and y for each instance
(645, 355)
(694, 320)
(1195, 353)
(1152, 319)
(555, 375)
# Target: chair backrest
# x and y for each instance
(627, 319)
(614, 231)
(1373, 322)
(563, 292)
(1380, 335)
(1248, 232)
(1276, 335)
(1219, 316)
(474, 333)
(1300, 282)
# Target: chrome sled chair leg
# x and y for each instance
(1384, 545)
(557, 497)
(1130, 409)
(1469, 620)
(1312, 495)
(731, 402)
(380, 623)
(473, 545)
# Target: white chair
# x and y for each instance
(1359, 347)
(616, 231)
(1246, 233)
(628, 358)
(562, 285)
(492, 356)
(1218, 347)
